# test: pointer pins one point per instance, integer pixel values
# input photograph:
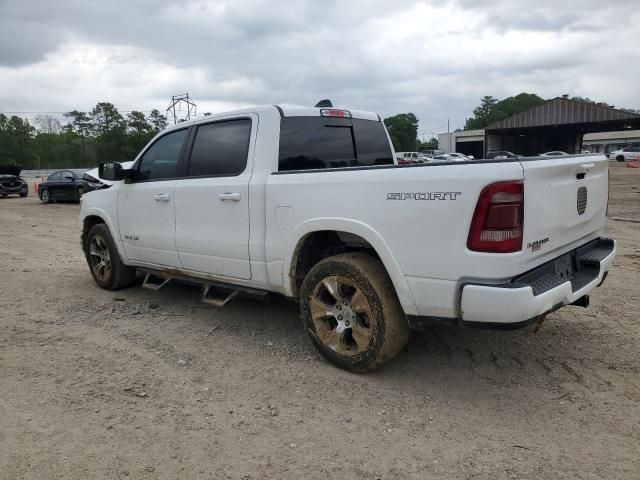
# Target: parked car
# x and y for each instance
(443, 157)
(461, 156)
(66, 185)
(433, 153)
(628, 153)
(410, 157)
(302, 207)
(11, 183)
(553, 153)
(448, 157)
(501, 154)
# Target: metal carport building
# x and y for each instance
(558, 124)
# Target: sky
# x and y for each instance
(433, 58)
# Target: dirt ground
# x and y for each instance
(143, 384)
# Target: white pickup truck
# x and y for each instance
(311, 203)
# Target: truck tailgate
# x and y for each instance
(565, 205)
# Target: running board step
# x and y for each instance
(217, 296)
(154, 282)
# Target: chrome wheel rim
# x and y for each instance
(100, 258)
(341, 316)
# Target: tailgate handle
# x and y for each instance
(583, 169)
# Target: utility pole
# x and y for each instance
(175, 108)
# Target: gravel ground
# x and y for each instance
(143, 384)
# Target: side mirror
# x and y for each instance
(111, 171)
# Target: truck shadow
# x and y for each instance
(575, 348)
(568, 349)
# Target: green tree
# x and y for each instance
(16, 135)
(110, 131)
(520, 103)
(492, 110)
(403, 130)
(140, 131)
(80, 125)
(157, 120)
(432, 144)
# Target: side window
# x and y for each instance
(317, 142)
(64, 177)
(220, 148)
(161, 159)
(55, 177)
(372, 143)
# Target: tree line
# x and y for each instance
(104, 134)
(85, 140)
(492, 110)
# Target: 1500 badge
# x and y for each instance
(424, 196)
(537, 244)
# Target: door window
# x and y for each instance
(220, 149)
(160, 161)
(55, 177)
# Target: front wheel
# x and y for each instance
(620, 158)
(351, 312)
(45, 196)
(107, 268)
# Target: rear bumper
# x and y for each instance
(559, 282)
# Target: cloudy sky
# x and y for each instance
(435, 59)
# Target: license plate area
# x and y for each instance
(565, 266)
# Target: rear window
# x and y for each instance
(316, 143)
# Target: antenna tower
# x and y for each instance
(181, 108)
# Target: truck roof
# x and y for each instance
(285, 111)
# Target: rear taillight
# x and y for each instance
(497, 221)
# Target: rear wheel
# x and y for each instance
(45, 196)
(107, 268)
(351, 312)
(620, 158)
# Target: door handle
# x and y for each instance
(229, 197)
(583, 169)
(161, 197)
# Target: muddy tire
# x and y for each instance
(105, 264)
(351, 312)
